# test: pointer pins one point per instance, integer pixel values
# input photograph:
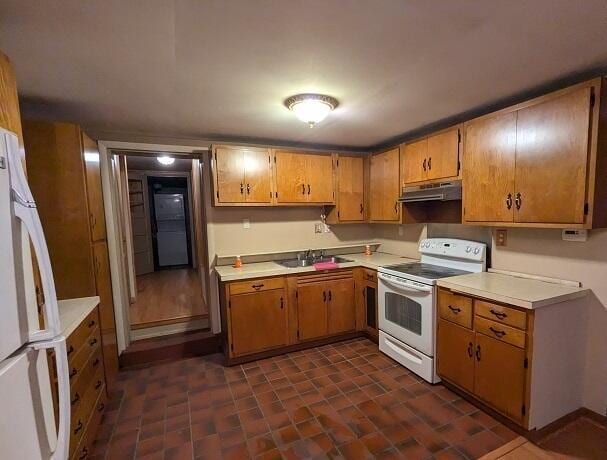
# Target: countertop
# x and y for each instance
(259, 269)
(514, 290)
(73, 311)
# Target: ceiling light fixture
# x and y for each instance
(311, 108)
(165, 160)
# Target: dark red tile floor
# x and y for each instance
(345, 400)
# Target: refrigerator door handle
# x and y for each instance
(24, 208)
(63, 386)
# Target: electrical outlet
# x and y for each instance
(401, 230)
(317, 228)
(246, 223)
(501, 237)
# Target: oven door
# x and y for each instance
(406, 312)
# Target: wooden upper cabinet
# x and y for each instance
(551, 158)
(93, 188)
(488, 172)
(242, 176)
(443, 154)
(414, 162)
(499, 376)
(350, 189)
(384, 186)
(455, 354)
(304, 178)
(258, 321)
(10, 118)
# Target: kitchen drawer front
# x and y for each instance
(370, 275)
(83, 390)
(82, 411)
(80, 374)
(501, 314)
(500, 331)
(455, 308)
(81, 441)
(245, 287)
(77, 339)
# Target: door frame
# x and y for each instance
(111, 197)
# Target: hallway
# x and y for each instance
(167, 297)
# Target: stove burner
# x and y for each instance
(426, 270)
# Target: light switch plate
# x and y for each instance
(573, 234)
(501, 237)
(317, 228)
(246, 223)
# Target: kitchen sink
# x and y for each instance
(295, 263)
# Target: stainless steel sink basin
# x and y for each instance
(295, 263)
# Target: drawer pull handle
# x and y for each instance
(499, 334)
(96, 362)
(93, 342)
(70, 350)
(78, 427)
(98, 384)
(257, 287)
(454, 309)
(470, 349)
(73, 372)
(100, 407)
(91, 323)
(498, 314)
(76, 399)
(478, 352)
(85, 453)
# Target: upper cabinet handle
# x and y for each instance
(518, 201)
(248, 189)
(429, 163)
(324, 296)
(361, 208)
(308, 189)
(424, 164)
(303, 189)
(241, 188)
(396, 207)
(509, 201)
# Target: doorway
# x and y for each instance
(161, 218)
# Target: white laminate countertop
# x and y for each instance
(73, 311)
(256, 270)
(514, 290)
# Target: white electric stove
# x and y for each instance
(407, 300)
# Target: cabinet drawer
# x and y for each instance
(456, 308)
(81, 392)
(81, 371)
(83, 430)
(370, 275)
(76, 339)
(500, 331)
(501, 314)
(245, 287)
(82, 410)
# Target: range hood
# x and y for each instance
(441, 191)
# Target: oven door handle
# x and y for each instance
(403, 285)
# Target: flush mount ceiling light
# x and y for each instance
(311, 108)
(165, 160)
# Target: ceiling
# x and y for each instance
(219, 69)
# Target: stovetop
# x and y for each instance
(424, 271)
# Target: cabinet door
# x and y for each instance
(341, 308)
(106, 310)
(488, 174)
(455, 354)
(351, 189)
(258, 176)
(443, 155)
(93, 188)
(385, 186)
(258, 321)
(230, 180)
(499, 377)
(551, 157)
(291, 183)
(312, 310)
(319, 179)
(414, 162)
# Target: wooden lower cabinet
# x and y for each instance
(312, 311)
(455, 351)
(499, 375)
(258, 321)
(341, 310)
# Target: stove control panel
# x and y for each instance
(453, 248)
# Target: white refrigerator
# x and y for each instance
(27, 420)
(171, 228)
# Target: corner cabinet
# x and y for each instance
(541, 163)
(384, 186)
(242, 176)
(431, 158)
(304, 178)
